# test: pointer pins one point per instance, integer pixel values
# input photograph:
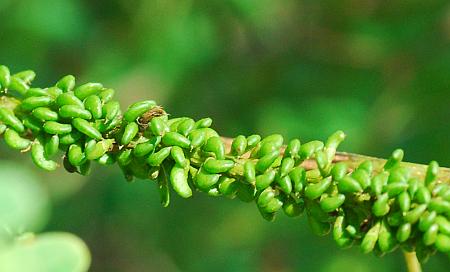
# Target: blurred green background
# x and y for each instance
(379, 70)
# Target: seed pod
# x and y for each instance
(366, 166)
(72, 111)
(432, 172)
(265, 162)
(51, 146)
(396, 188)
(249, 172)
(287, 164)
(263, 181)
(87, 89)
(94, 105)
(197, 138)
(298, 178)
(362, 177)
(266, 196)
(217, 166)
(426, 220)
(8, 118)
(429, 237)
(313, 191)
(15, 141)
(381, 205)
(129, 133)
(293, 149)
(158, 126)
(246, 192)
(443, 243)
(349, 185)
(35, 92)
(85, 168)
(66, 84)
(69, 99)
(69, 138)
(5, 77)
(404, 201)
(285, 184)
(110, 110)
(395, 218)
(33, 102)
(175, 138)
(45, 114)
(163, 188)
(2, 128)
(137, 109)
(54, 92)
(413, 186)
(186, 126)
(204, 180)
(330, 204)
(75, 155)
(386, 239)
(106, 159)
(323, 163)
(27, 76)
(394, 160)
(403, 232)
(252, 141)
(52, 127)
(339, 170)
(263, 149)
(109, 125)
(291, 208)
(177, 154)
(95, 150)
(444, 224)
(239, 145)
(413, 215)
(339, 235)
(203, 123)
(67, 166)
(274, 205)
(270, 217)
(423, 195)
(317, 227)
(309, 148)
(370, 239)
(18, 85)
(439, 205)
(106, 95)
(215, 145)
(228, 186)
(178, 179)
(124, 157)
(86, 128)
(157, 158)
(378, 182)
(275, 139)
(38, 157)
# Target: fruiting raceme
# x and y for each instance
(379, 209)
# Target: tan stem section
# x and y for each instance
(412, 263)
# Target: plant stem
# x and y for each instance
(411, 262)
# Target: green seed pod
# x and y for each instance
(362, 177)
(18, 85)
(87, 89)
(86, 128)
(94, 105)
(15, 141)
(426, 220)
(274, 205)
(38, 157)
(67, 166)
(66, 83)
(54, 92)
(403, 232)
(396, 188)
(423, 195)
(51, 146)
(35, 92)
(381, 205)
(270, 217)
(366, 166)
(263, 149)
(394, 160)
(2, 128)
(178, 179)
(175, 138)
(330, 204)
(8, 118)
(275, 139)
(323, 163)
(72, 111)
(158, 126)
(313, 191)
(137, 109)
(439, 205)
(386, 240)
(85, 168)
(370, 239)
(163, 188)
(129, 133)
(33, 102)
(5, 76)
(395, 218)
(317, 227)
(351, 230)
(143, 149)
(27, 76)
(309, 148)
(204, 180)
(413, 186)
(404, 201)
(338, 233)
(69, 99)
(186, 126)
(228, 186)
(106, 95)
(443, 243)
(203, 123)
(432, 172)
(339, 170)
(106, 159)
(444, 224)
(75, 155)
(266, 161)
(263, 181)
(293, 149)
(110, 110)
(217, 166)
(216, 146)
(413, 215)
(287, 164)
(52, 127)
(332, 144)
(197, 138)
(239, 145)
(249, 171)
(95, 150)
(378, 182)
(252, 141)
(124, 157)
(298, 178)
(292, 209)
(246, 192)
(177, 154)
(45, 114)
(69, 138)
(157, 158)
(265, 197)
(285, 184)
(349, 185)
(429, 237)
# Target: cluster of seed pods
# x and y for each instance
(377, 209)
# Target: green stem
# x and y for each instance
(412, 263)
